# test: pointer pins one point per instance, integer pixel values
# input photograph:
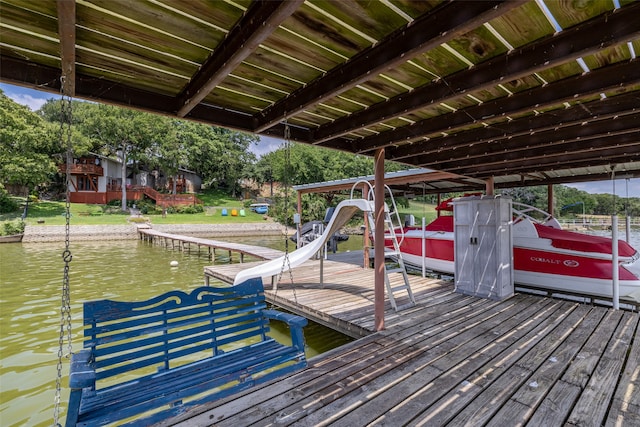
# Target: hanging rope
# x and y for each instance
(286, 263)
(65, 306)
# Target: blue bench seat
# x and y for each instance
(155, 359)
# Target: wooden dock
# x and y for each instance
(450, 360)
(184, 243)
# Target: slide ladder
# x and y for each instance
(394, 291)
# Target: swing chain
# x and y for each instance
(65, 308)
(287, 165)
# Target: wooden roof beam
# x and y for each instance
(596, 152)
(566, 90)
(551, 120)
(425, 33)
(559, 163)
(616, 27)
(67, 36)
(96, 89)
(22, 72)
(256, 25)
(580, 138)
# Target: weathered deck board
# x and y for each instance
(450, 360)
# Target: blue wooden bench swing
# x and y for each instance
(153, 355)
(143, 362)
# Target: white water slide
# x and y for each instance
(341, 215)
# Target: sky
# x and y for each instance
(34, 99)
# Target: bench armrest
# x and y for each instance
(296, 323)
(289, 319)
(81, 373)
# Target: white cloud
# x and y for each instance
(266, 145)
(32, 102)
(33, 99)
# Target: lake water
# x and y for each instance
(30, 293)
(30, 283)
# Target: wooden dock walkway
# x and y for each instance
(184, 243)
(450, 360)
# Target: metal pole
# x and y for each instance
(366, 237)
(323, 253)
(627, 218)
(379, 239)
(424, 246)
(614, 262)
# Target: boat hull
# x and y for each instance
(536, 264)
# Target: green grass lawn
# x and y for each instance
(418, 210)
(52, 213)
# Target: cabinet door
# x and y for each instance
(464, 256)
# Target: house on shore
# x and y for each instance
(97, 179)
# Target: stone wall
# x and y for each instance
(56, 233)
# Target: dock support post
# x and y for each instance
(424, 247)
(379, 239)
(614, 262)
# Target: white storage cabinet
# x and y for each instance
(483, 246)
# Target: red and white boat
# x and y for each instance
(545, 256)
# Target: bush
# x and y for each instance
(191, 209)
(147, 207)
(138, 219)
(7, 204)
(12, 227)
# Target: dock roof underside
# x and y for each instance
(527, 92)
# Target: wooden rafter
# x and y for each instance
(261, 19)
(421, 35)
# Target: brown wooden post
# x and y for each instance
(379, 239)
(550, 198)
(489, 186)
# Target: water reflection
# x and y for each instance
(30, 298)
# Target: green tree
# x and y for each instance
(309, 164)
(51, 112)
(220, 156)
(27, 144)
(237, 161)
(121, 132)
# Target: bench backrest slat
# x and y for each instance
(164, 331)
(104, 325)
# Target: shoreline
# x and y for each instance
(56, 233)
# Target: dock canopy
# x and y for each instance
(519, 92)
